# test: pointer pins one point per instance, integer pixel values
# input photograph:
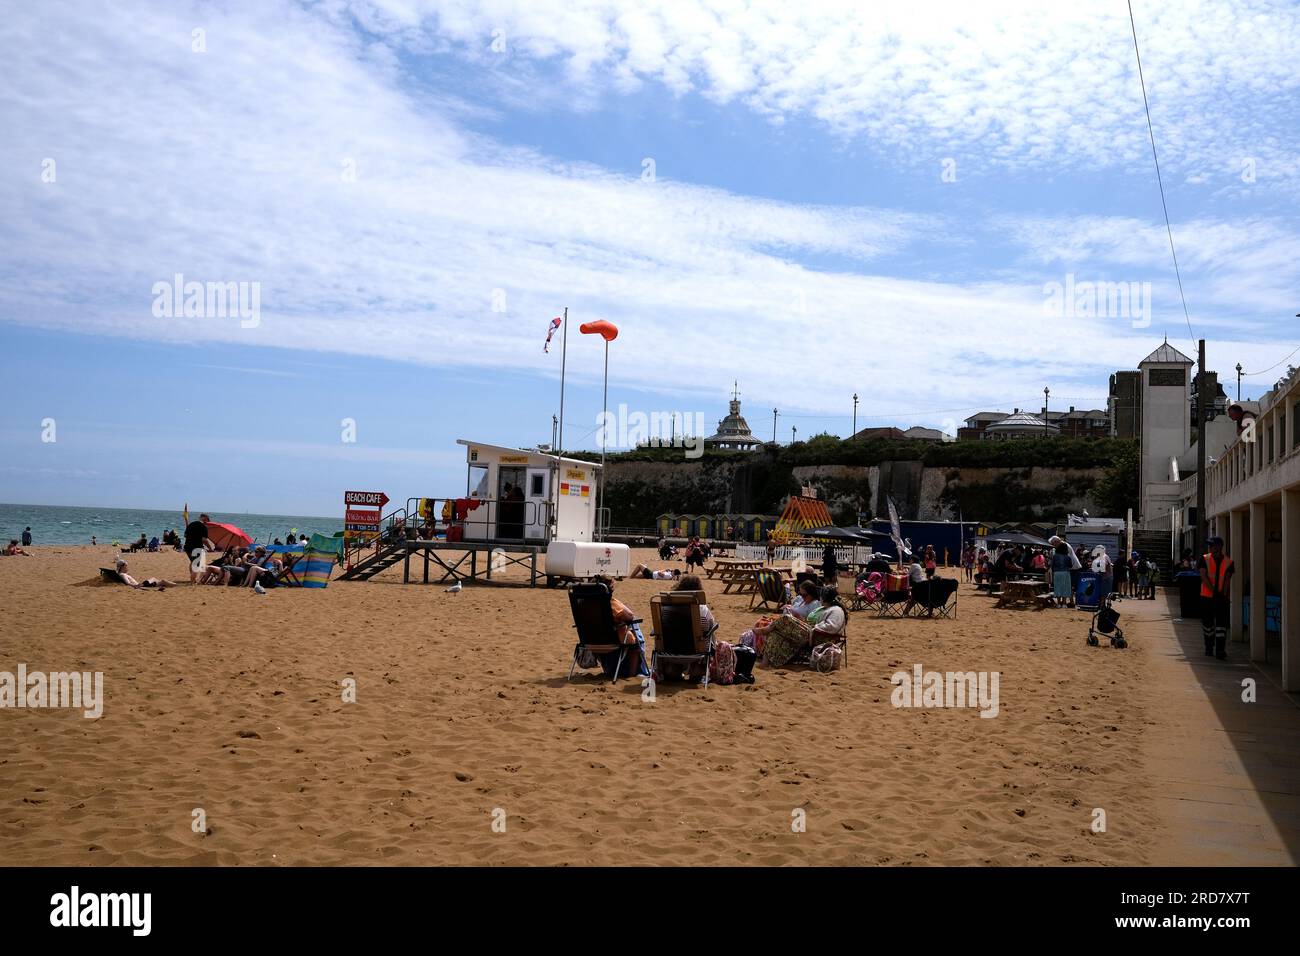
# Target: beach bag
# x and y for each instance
(826, 657)
(745, 658)
(722, 665)
(587, 660)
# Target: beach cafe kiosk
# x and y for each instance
(530, 498)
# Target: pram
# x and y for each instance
(1105, 620)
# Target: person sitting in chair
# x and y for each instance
(918, 585)
(629, 632)
(668, 669)
(805, 601)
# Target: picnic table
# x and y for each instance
(745, 580)
(1022, 593)
(723, 565)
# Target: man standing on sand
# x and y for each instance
(1216, 598)
(196, 542)
(27, 537)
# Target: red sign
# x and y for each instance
(370, 499)
(361, 517)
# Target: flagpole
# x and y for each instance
(564, 356)
(604, 437)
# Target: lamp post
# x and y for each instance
(794, 434)
(855, 415)
(774, 414)
(1047, 392)
(1238, 381)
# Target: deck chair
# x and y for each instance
(593, 617)
(893, 601)
(111, 575)
(769, 590)
(939, 596)
(679, 633)
(866, 596)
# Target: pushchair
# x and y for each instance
(1105, 620)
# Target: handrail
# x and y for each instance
(409, 523)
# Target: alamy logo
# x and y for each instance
(622, 429)
(1103, 300)
(37, 689)
(103, 909)
(208, 300)
(924, 688)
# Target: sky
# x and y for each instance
(809, 200)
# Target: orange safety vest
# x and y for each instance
(1218, 575)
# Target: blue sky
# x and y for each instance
(416, 188)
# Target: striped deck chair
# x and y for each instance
(769, 590)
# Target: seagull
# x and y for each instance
(454, 589)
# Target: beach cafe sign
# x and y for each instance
(362, 511)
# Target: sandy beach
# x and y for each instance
(229, 702)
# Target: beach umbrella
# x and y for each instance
(1016, 537)
(225, 536)
(843, 534)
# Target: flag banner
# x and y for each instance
(895, 529)
(555, 324)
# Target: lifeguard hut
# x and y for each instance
(521, 495)
(519, 503)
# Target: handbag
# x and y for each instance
(826, 657)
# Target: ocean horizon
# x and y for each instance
(63, 524)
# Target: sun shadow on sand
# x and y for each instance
(1265, 735)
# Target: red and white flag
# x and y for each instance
(555, 324)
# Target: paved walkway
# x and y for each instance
(1226, 773)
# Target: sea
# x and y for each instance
(53, 524)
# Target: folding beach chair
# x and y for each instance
(679, 633)
(293, 558)
(894, 598)
(593, 617)
(866, 594)
(769, 590)
(939, 596)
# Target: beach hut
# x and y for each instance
(665, 524)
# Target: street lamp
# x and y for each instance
(794, 434)
(774, 414)
(855, 415)
(1047, 392)
(1238, 381)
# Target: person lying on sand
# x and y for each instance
(126, 579)
(12, 549)
(643, 571)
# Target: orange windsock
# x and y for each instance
(600, 327)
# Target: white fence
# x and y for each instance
(851, 554)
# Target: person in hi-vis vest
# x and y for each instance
(1216, 583)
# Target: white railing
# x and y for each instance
(852, 554)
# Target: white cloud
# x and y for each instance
(229, 165)
(1006, 82)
